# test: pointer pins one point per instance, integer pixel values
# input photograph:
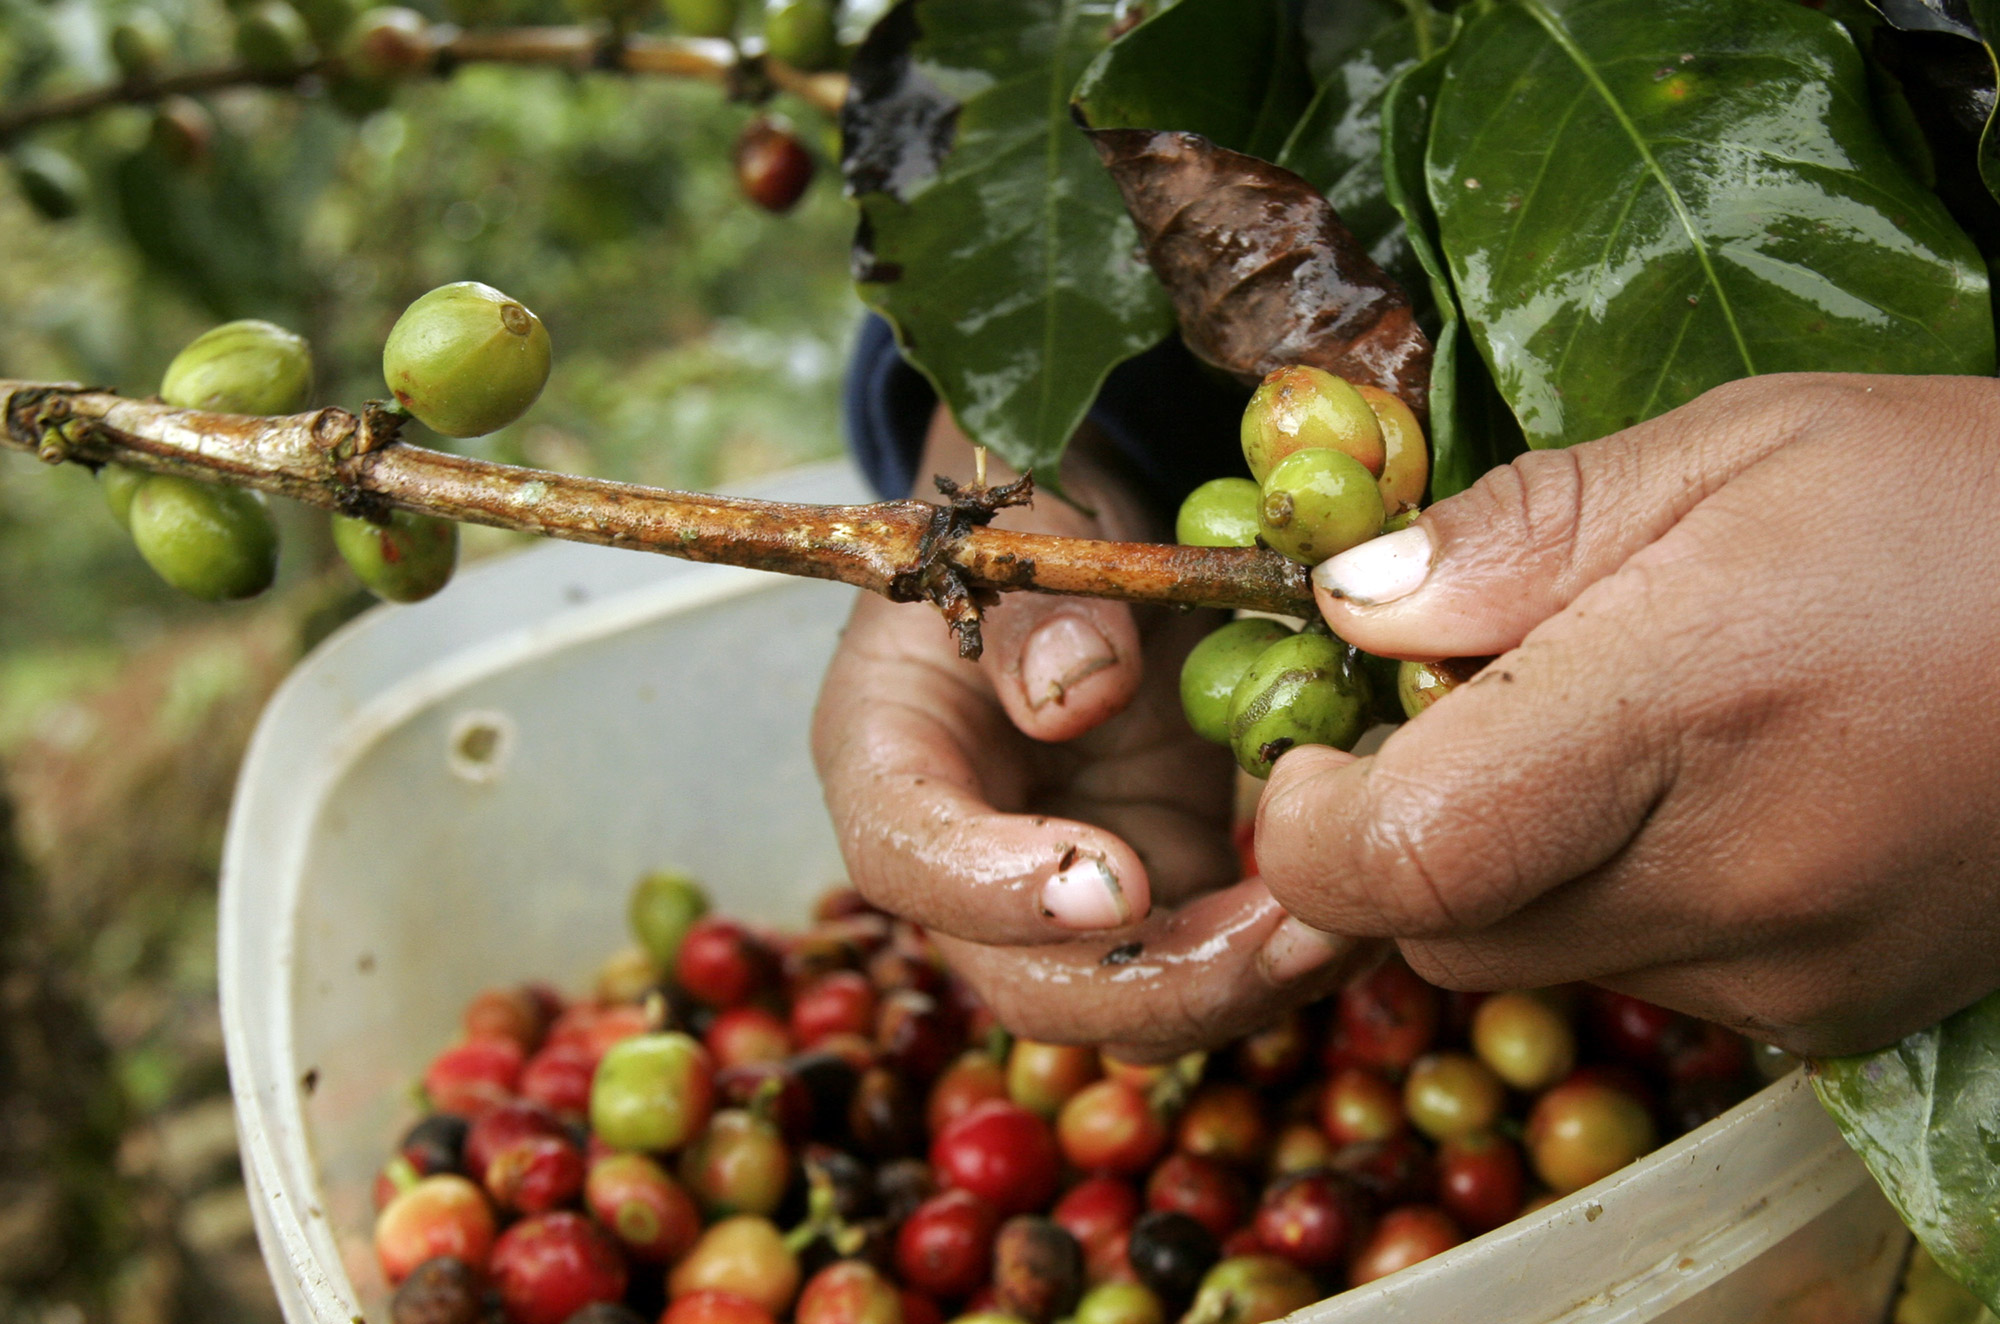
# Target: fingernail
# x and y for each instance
(1059, 654)
(1296, 949)
(1086, 895)
(1379, 570)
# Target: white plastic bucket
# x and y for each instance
(457, 794)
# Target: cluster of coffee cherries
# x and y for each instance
(361, 54)
(1334, 464)
(464, 359)
(743, 1127)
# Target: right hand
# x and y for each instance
(1048, 806)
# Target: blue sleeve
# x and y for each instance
(1170, 417)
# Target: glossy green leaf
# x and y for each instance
(1642, 199)
(1233, 71)
(1471, 429)
(1925, 1117)
(990, 236)
(1337, 148)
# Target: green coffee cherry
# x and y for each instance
(1299, 408)
(272, 38)
(1305, 690)
(327, 20)
(466, 359)
(1251, 1289)
(664, 906)
(1119, 1303)
(389, 42)
(1317, 504)
(406, 560)
(182, 130)
(246, 367)
(358, 98)
(1222, 512)
(212, 543)
(703, 18)
(140, 44)
(51, 182)
(1406, 463)
(119, 486)
(1215, 665)
(1421, 684)
(802, 33)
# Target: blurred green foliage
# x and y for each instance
(698, 340)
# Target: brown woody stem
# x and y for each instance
(719, 62)
(906, 550)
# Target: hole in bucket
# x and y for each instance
(479, 746)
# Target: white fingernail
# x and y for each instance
(1086, 895)
(1296, 949)
(1379, 570)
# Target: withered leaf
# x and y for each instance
(1261, 270)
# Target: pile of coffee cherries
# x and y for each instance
(743, 1127)
(1334, 464)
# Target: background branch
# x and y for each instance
(906, 550)
(723, 63)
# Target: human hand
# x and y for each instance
(1046, 812)
(1740, 751)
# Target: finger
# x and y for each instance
(898, 723)
(1061, 666)
(1481, 569)
(1529, 776)
(1193, 978)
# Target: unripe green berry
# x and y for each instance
(272, 38)
(1299, 408)
(1251, 1289)
(664, 906)
(389, 42)
(1317, 504)
(703, 18)
(119, 485)
(406, 560)
(140, 44)
(327, 20)
(358, 98)
(213, 543)
(466, 359)
(51, 182)
(1222, 512)
(182, 130)
(801, 33)
(1214, 667)
(246, 367)
(1421, 684)
(1305, 690)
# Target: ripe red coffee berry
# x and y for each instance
(469, 1078)
(502, 1126)
(535, 1174)
(715, 1308)
(772, 166)
(1002, 1153)
(558, 1078)
(652, 1217)
(742, 1035)
(721, 963)
(1312, 1219)
(842, 1002)
(1481, 1181)
(973, 1079)
(441, 1215)
(1393, 1171)
(737, 1165)
(919, 1309)
(1404, 1237)
(550, 1266)
(1628, 1028)
(1274, 1055)
(506, 1013)
(946, 1246)
(1042, 1077)
(1360, 1105)
(849, 1292)
(1203, 1190)
(1224, 1121)
(1387, 1018)
(915, 1033)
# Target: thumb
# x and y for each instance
(1061, 666)
(1479, 570)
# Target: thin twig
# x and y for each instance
(905, 550)
(579, 48)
